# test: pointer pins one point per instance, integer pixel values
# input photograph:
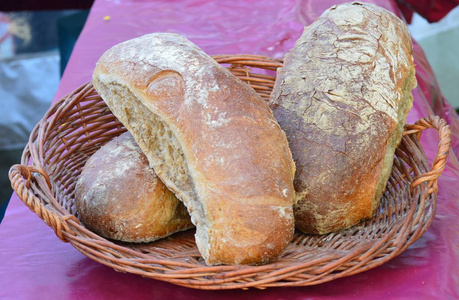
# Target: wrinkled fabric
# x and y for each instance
(431, 10)
(36, 264)
(21, 108)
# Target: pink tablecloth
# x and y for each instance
(35, 264)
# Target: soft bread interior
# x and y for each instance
(162, 148)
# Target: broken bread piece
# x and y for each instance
(211, 139)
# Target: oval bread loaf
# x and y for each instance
(120, 197)
(211, 139)
(342, 97)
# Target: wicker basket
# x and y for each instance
(75, 127)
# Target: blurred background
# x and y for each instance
(37, 38)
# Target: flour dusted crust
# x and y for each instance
(120, 197)
(211, 139)
(342, 97)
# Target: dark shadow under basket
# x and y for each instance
(78, 125)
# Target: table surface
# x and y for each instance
(35, 264)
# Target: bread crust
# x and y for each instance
(342, 97)
(120, 197)
(211, 139)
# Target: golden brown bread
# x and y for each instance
(120, 197)
(211, 139)
(342, 97)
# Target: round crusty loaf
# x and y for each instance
(210, 138)
(120, 197)
(342, 97)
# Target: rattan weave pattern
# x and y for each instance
(75, 127)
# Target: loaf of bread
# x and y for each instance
(120, 197)
(342, 97)
(210, 138)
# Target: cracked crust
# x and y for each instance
(342, 98)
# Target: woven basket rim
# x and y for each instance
(37, 188)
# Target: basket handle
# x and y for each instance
(21, 177)
(442, 153)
